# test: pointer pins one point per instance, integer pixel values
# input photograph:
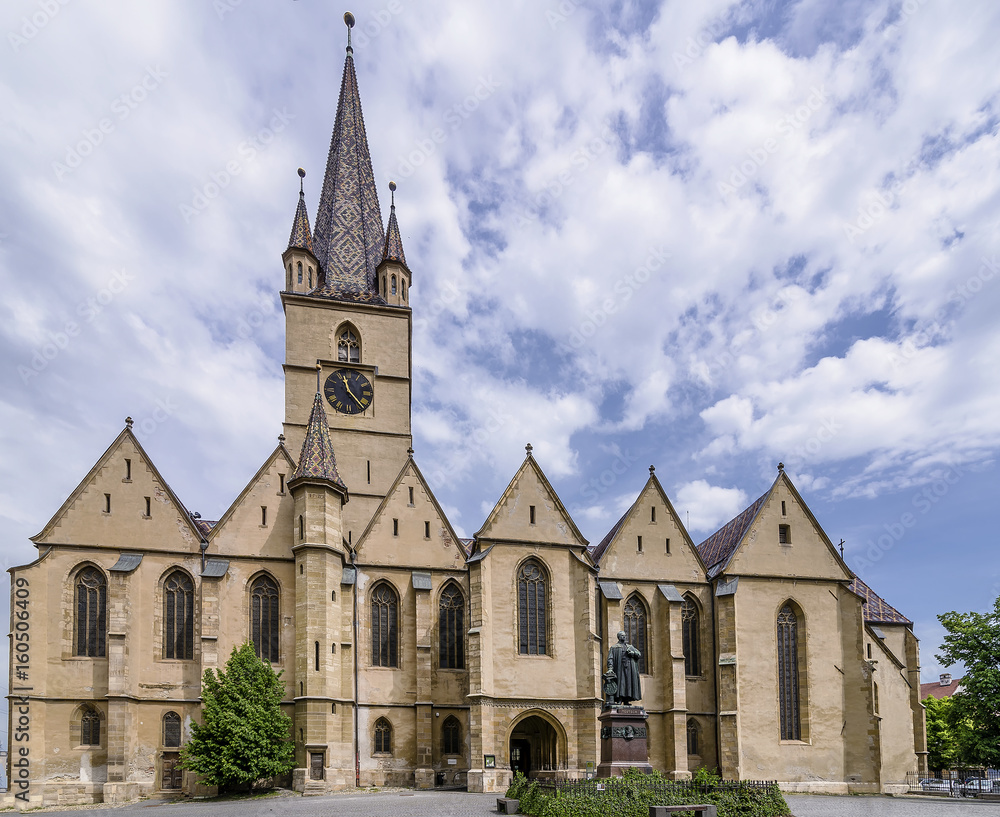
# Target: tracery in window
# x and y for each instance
(788, 674)
(451, 624)
(689, 632)
(692, 736)
(451, 736)
(178, 616)
(171, 729)
(635, 628)
(383, 737)
(385, 636)
(90, 728)
(91, 613)
(531, 609)
(348, 347)
(264, 618)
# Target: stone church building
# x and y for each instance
(410, 656)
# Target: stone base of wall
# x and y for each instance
(489, 780)
(423, 778)
(118, 793)
(895, 788)
(816, 787)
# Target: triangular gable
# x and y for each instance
(510, 519)
(83, 518)
(243, 528)
(727, 545)
(398, 531)
(618, 553)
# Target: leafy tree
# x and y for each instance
(243, 737)
(942, 751)
(973, 639)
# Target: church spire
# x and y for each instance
(393, 242)
(317, 461)
(348, 239)
(301, 237)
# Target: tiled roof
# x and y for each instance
(597, 551)
(876, 611)
(301, 237)
(393, 243)
(317, 460)
(348, 241)
(718, 548)
(205, 526)
(935, 689)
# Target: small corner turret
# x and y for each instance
(301, 266)
(393, 276)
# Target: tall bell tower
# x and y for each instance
(353, 320)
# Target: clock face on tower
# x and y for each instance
(348, 391)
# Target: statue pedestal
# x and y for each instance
(623, 741)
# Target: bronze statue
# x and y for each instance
(621, 681)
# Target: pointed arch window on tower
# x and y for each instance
(300, 272)
(532, 610)
(689, 637)
(178, 616)
(91, 613)
(348, 347)
(264, 618)
(452, 628)
(385, 630)
(635, 629)
(392, 281)
(788, 674)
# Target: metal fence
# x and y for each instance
(956, 783)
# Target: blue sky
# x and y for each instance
(709, 237)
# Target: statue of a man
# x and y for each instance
(623, 664)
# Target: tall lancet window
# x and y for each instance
(264, 618)
(635, 629)
(385, 627)
(531, 609)
(348, 347)
(788, 674)
(178, 616)
(689, 637)
(91, 613)
(452, 627)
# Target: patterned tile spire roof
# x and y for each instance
(301, 237)
(348, 238)
(393, 242)
(876, 609)
(317, 460)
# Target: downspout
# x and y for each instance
(357, 745)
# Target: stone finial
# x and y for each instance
(652, 468)
(281, 439)
(128, 422)
(409, 452)
(527, 449)
(781, 466)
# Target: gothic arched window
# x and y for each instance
(451, 624)
(91, 613)
(383, 737)
(171, 729)
(178, 616)
(689, 633)
(393, 284)
(90, 728)
(385, 631)
(299, 268)
(692, 736)
(264, 618)
(451, 736)
(348, 347)
(788, 674)
(635, 628)
(531, 609)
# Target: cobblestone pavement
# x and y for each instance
(461, 804)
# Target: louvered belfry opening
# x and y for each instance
(531, 588)
(452, 628)
(178, 616)
(91, 613)
(264, 618)
(788, 674)
(385, 638)
(635, 628)
(689, 634)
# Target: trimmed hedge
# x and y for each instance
(633, 794)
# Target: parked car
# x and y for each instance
(979, 785)
(932, 784)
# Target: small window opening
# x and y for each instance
(531, 514)
(300, 272)
(302, 527)
(668, 546)
(333, 595)
(395, 527)
(869, 652)
(875, 696)
(107, 503)
(639, 543)
(281, 483)
(369, 472)
(302, 690)
(310, 277)
(333, 651)
(652, 514)
(317, 656)
(427, 530)
(263, 516)
(393, 279)
(783, 508)
(301, 736)
(784, 534)
(402, 286)
(411, 496)
(148, 507)
(128, 470)
(349, 538)
(302, 568)
(333, 709)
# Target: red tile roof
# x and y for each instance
(935, 689)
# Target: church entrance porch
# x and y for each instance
(536, 749)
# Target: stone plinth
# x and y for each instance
(623, 741)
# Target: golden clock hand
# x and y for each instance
(348, 387)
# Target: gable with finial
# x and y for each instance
(123, 502)
(530, 511)
(649, 539)
(410, 528)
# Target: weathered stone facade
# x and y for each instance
(411, 657)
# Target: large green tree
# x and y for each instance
(243, 738)
(942, 750)
(973, 639)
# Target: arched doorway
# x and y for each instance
(535, 747)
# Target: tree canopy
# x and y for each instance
(973, 639)
(243, 737)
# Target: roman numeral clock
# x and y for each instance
(348, 391)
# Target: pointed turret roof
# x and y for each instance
(348, 240)
(317, 461)
(301, 237)
(393, 242)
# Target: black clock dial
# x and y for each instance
(348, 391)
